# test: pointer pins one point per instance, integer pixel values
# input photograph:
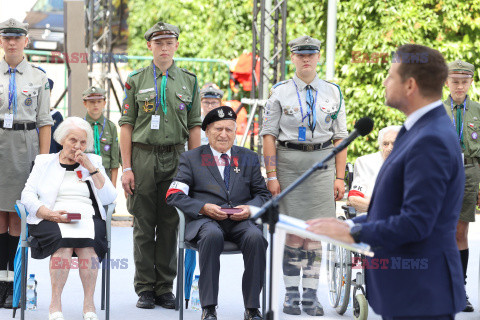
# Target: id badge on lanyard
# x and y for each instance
(302, 133)
(8, 121)
(155, 125)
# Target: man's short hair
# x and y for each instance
(426, 65)
(382, 132)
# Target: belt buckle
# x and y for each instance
(310, 147)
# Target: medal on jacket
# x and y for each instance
(235, 163)
(79, 175)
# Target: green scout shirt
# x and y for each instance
(109, 149)
(183, 106)
(471, 126)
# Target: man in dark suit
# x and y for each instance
(211, 178)
(416, 201)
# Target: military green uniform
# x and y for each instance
(155, 155)
(109, 150)
(469, 128)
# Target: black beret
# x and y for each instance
(217, 114)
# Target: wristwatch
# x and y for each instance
(94, 172)
(355, 232)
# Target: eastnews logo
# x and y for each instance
(94, 263)
(394, 263)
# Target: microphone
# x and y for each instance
(363, 127)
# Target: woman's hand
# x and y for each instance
(84, 161)
(58, 216)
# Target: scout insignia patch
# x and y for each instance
(107, 147)
(148, 106)
(104, 139)
(47, 86)
(127, 86)
(28, 102)
(474, 135)
(181, 106)
(471, 125)
(124, 111)
(328, 118)
(127, 107)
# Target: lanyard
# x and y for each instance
(460, 138)
(163, 86)
(309, 111)
(12, 91)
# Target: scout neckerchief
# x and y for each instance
(97, 136)
(163, 86)
(312, 110)
(12, 91)
(459, 126)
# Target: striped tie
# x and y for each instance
(226, 171)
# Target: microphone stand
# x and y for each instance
(269, 215)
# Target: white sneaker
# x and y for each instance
(90, 316)
(56, 316)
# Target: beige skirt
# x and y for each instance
(314, 197)
(18, 150)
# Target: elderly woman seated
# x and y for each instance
(60, 184)
(367, 167)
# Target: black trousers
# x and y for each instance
(248, 237)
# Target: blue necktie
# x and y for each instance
(226, 171)
(312, 113)
(12, 91)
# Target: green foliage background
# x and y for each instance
(222, 29)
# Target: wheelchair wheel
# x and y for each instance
(346, 281)
(360, 307)
(334, 274)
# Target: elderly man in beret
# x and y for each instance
(214, 187)
(161, 111)
(465, 115)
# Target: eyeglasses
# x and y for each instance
(213, 104)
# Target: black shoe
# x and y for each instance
(252, 314)
(3, 292)
(291, 305)
(9, 299)
(209, 313)
(146, 300)
(166, 300)
(469, 307)
(310, 303)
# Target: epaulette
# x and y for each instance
(39, 68)
(134, 72)
(188, 72)
(336, 85)
(279, 84)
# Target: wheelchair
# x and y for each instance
(340, 264)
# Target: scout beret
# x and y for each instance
(305, 45)
(217, 114)
(162, 30)
(94, 93)
(13, 28)
(460, 69)
(211, 91)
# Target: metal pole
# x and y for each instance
(331, 39)
(266, 48)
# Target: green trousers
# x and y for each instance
(155, 225)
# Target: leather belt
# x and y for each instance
(20, 126)
(470, 161)
(304, 146)
(150, 147)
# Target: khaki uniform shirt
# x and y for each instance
(109, 149)
(471, 126)
(283, 115)
(33, 94)
(183, 106)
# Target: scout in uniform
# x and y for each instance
(161, 110)
(24, 107)
(105, 131)
(211, 98)
(465, 115)
(303, 118)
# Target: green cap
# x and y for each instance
(460, 69)
(94, 93)
(162, 30)
(13, 28)
(211, 91)
(305, 45)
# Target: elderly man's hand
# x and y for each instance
(128, 182)
(245, 214)
(331, 227)
(213, 211)
(338, 189)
